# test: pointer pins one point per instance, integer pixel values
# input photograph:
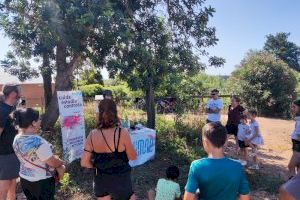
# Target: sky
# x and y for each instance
(241, 25)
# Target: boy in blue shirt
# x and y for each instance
(217, 177)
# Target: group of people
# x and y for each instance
(108, 149)
(241, 123)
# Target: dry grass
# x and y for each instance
(179, 144)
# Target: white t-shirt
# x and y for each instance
(296, 132)
(214, 104)
(37, 150)
(243, 132)
(258, 140)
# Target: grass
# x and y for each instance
(178, 142)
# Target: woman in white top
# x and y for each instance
(38, 164)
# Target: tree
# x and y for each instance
(283, 49)
(132, 38)
(25, 24)
(77, 30)
(266, 84)
(87, 74)
(157, 46)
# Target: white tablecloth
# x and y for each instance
(143, 141)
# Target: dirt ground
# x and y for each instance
(274, 156)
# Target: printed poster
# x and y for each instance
(143, 141)
(70, 105)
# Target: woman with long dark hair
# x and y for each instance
(111, 149)
(235, 112)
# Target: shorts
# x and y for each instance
(41, 190)
(292, 186)
(242, 144)
(118, 186)
(9, 167)
(232, 129)
(296, 145)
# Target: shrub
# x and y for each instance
(91, 90)
(265, 83)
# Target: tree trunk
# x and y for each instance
(150, 105)
(47, 79)
(62, 83)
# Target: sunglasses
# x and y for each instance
(213, 94)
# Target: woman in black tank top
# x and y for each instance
(112, 178)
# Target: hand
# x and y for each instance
(247, 141)
(61, 171)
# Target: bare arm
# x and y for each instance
(244, 197)
(1, 131)
(86, 160)
(189, 196)
(217, 111)
(130, 151)
(97, 118)
(54, 162)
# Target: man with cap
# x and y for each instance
(214, 107)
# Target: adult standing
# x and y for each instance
(9, 163)
(111, 148)
(291, 189)
(214, 107)
(235, 111)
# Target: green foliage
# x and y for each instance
(91, 90)
(184, 87)
(91, 76)
(283, 49)
(65, 182)
(121, 92)
(266, 84)
(298, 84)
(155, 47)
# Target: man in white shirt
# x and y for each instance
(214, 107)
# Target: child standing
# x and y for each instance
(243, 134)
(167, 189)
(216, 177)
(38, 163)
(255, 139)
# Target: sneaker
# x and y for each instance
(243, 162)
(254, 167)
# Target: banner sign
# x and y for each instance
(143, 141)
(70, 105)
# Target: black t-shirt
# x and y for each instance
(9, 131)
(234, 115)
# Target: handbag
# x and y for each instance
(53, 173)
